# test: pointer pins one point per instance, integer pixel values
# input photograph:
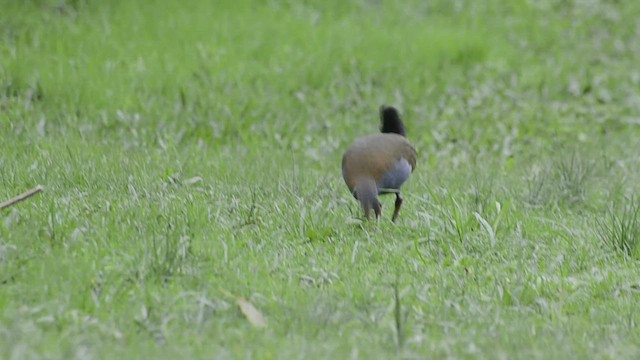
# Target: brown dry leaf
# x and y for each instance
(251, 313)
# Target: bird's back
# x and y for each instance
(387, 158)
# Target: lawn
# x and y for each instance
(190, 157)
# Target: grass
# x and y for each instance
(190, 154)
(620, 229)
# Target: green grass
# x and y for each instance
(190, 153)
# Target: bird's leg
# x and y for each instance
(398, 204)
(377, 208)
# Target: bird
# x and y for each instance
(379, 164)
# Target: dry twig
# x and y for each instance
(21, 197)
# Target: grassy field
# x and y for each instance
(190, 154)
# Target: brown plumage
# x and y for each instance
(379, 164)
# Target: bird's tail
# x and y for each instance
(391, 121)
